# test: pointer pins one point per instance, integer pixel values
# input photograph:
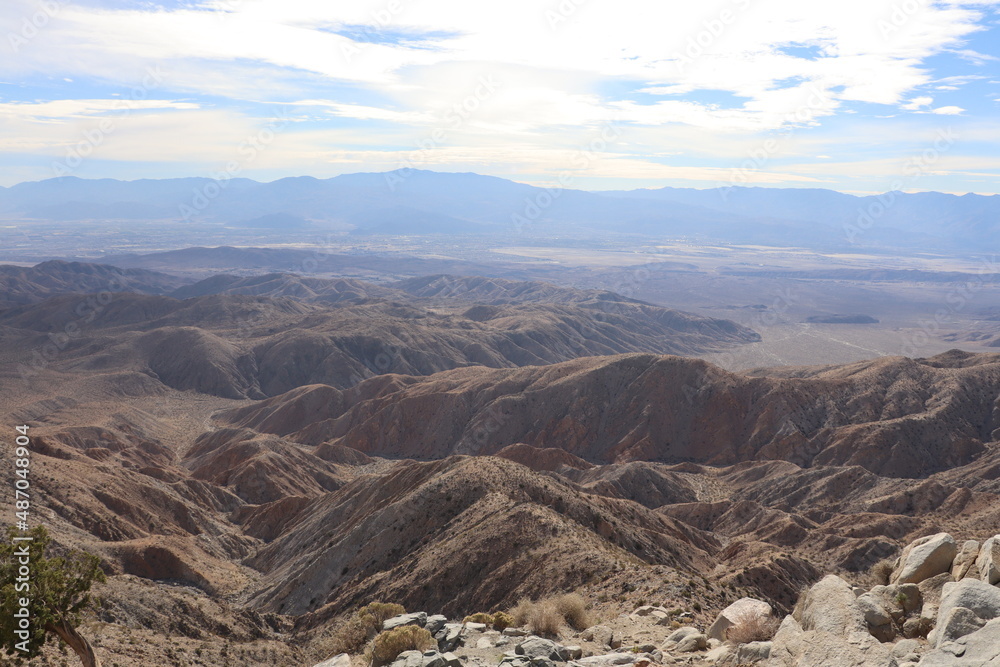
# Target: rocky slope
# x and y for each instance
(893, 416)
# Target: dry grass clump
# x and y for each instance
(750, 627)
(882, 571)
(501, 621)
(546, 617)
(388, 645)
(573, 609)
(352, 636)
(478, 617)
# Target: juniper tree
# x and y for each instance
(42, 596)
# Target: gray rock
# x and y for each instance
(793, 646)
(515, 632)
(449, 637)
(695, 642)
(959, 622)
(978, 596)
(988, 561)
(571, 652)
(753, 652)
(965, 561)
(680, 633)
(917, 627)
(874, 613)
(475, 627)
(435, 623)
(417, 618)
(451, 660)
(536, 647)
(609, 660)
(830, 606)
(339, 660)
(980, 649)
(905, 647)
(742, 609)
(925, 558)
(601, 634)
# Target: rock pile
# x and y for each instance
(941, 607)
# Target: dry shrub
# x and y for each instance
(379, 612)
(388, 645)
(882, 571)
(501, 621)
(352, 636)
(545, 619)
(521, 612)
(573, 609)
(478, 617)
(750, 627)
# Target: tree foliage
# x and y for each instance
(56, 589)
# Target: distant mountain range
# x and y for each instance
(423, 202)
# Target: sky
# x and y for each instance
(860, 96)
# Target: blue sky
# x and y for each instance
(856, 95)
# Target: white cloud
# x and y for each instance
(948, 111)
(918, 103)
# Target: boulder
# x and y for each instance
(930, 592)
(680, 633)
(979, 649)
(601, 634)
(924, 558)
(965, 561)
(830, 606)
(744, 608)
(435, 623)
(959, 622)
(426, 659)
(417, 618)
(515, 632)
(449, 637)
(475, 627)
(988, 561)
(874, 612)
(753, 652)
(905, 647)
(340, 660)
(794, 647)
(536, 647)
(977, 596)
(693, 642)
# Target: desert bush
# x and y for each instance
(379, 612)
(573, 608)
(549, 615)
(546, 619)
(521, 612)
(882, 571)
(352, 636)
(388, 645)
(750, 627)
(501, 621)
(478, 617)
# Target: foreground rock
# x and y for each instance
(925, 558)
(743, 610)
